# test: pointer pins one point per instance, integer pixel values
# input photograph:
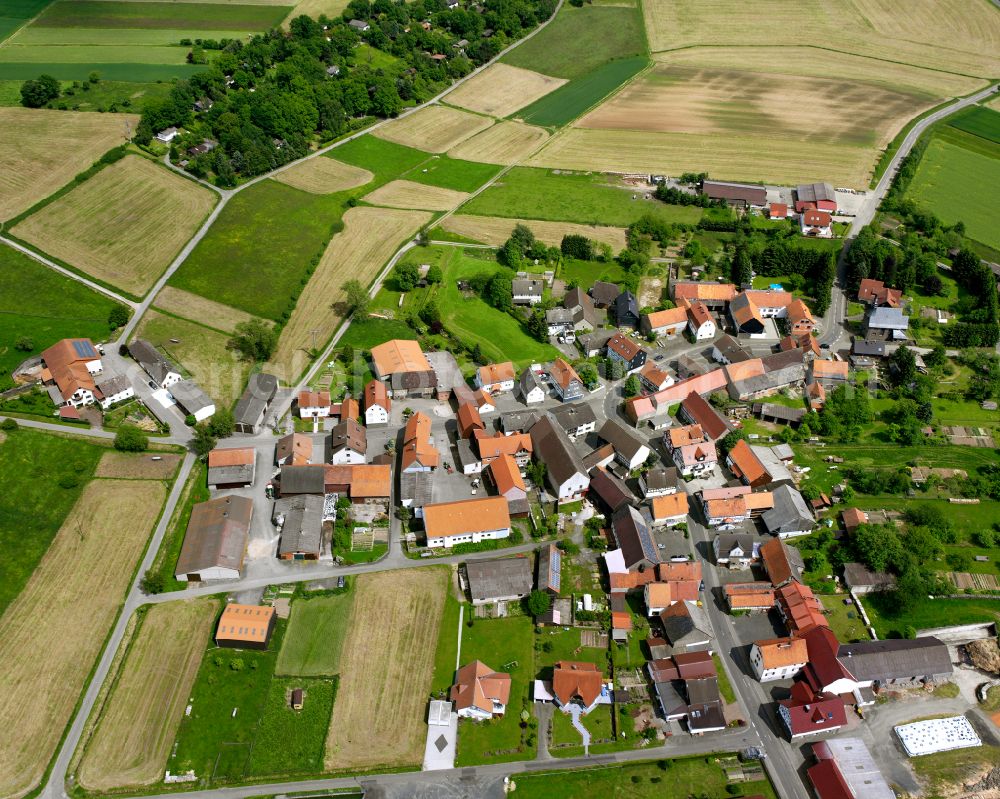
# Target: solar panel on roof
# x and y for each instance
(555, 562)
(84, 349)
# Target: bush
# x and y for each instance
(130, 438)
(8, 425)
(24, 344)
(153, 583)
(118, 317)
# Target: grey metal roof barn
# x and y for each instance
(250, 410)
(503, 578)
(190, 396)
(302, 528)
(153, 362)
(216, 536)
(302, 479)
(790, 513)
(895, 659)
(814, 192)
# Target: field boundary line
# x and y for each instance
(458, 650)
(67, 272)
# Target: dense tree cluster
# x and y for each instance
(36, 92)
(673, 196)
(273, 95)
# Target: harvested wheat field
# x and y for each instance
(132, 740)
(505, 143)
(200, 309)
(54, 630)
(434, 129)
(731, 157)
(369, 238)
(693, 100)
(500, 90)
(138, 466)
(949, 35)
(378, 718)
(496, 230)
(124, 225)
(324, 176)
(407, 194)
(791, 62)
(44, 150)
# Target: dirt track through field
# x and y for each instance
(42, 151)
(54, 630)
(407, 194)
(501, 89)
(324, 176)
(386, 670)
(496, 230)
(369, 238)
(505, 143)
(124, 225)
(434, 129)
(132, 740)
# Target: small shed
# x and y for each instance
(296, 699)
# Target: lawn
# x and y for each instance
(584, 273)
(257, 253)
(839, 618)
(579, 40)
(42, 305)
(43, 476)
(673, 778)
(569, 101)
(542, 194)
(451, 173)
(384, 159)
(498, 334)
(557, 644)
(291, 741)
(930, 613)
(213, 741)
(108, 70)
(447, 645)
(195, 491)
(505, 645)
(363, 334)
(315, 637)
(958, 183)
(193, 16)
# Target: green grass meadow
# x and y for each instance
(452, 173)
(979, 121)
(532, 193)
(579, 40)
(673, 778)
(106, 14)
(572, 99)
(43, 475)
(139, 73)
(259, 249)
(41, 304)
(293, 741)
(316, 632)
(98, 96)
(959, 183)
(386, 160)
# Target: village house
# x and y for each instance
(517, 445)
(727, 350)
(69, 366)
(669, 510)
(153, 362)
(686, 627)
(886, 324)
(694, 460)
(581, 306)
(560, 322)
(736, 550)
(527, 291)
(653, 378)
(809, 713)
(818, 224)
(604, 294)
(696, 410)
(418, 453)
(632, 536)
(701, 325)
(782, 563)
(746, 466)
(231, 468)
(778, 658)
(659, 481)
(626, 351)
(777, 211)
(790, 515)
(404, 368)
(669, 323)
(313, 404)
(530, 387)
(714, 296)
(254, 403)
(245, 626)
(608, 492)
(496, 378)
(805, 342)
(467, 521)
(377, 404)
(578, 684)
(479, 693)
(564, 472)
(875, 293)
(505, 475)
(626, 310)
(629, 451)
(469, 420)
(565, 380)
(348, 443)
(829, 374)
(112, 389)
(192, 400)
(483, 401)
(800, 608)
(295, 449)
(658, 596)
(215, 540)
(577, 419)
(499, 579)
